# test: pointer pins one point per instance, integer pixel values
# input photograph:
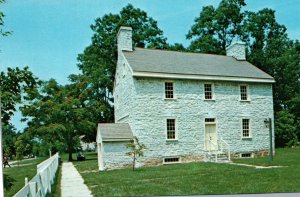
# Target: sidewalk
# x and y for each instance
(72, 184)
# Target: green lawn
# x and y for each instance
(18, 173)
(196, 178)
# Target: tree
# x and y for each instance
(176, 47)
(136, 150)
(2, 32)
(98, 61)
(21, 147)
(9, 136)
(216, 28)
(285, 129)
(56, 117)
(272, 51)
(16, 86)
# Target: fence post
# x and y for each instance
(26, 180)
(32, 188)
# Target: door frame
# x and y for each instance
(210, 123)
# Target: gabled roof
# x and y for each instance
(115, 132)
(171, 62)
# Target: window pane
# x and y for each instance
(243, 90)
(208, 91)
(245, 125)
(169, 90)
(209, 120)
(170, 128)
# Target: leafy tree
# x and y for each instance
(216, 28)
(21, 147)
(2, 32)
(285, 129)
(176, 47)
(272, 51)
(16, 85)
(56, 117)
(9, 136)
(261, 27)
(98, 61)
(136, 150)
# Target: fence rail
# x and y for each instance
(41, 183)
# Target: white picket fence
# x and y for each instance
(41, 183)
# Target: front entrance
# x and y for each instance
(210, 135)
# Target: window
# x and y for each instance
(246, 128)
(246, 155)
(208, 91)
(244, 92)
(169, 90)
(209, 120)
(124, 70)
(171, 160)
(171, 129)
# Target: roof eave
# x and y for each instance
(201, 77)
(116, 139)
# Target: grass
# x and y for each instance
(18, 174)
(196, 178)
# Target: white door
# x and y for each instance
(210, 137)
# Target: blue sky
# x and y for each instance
(48, 35)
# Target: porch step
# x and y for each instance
(221, 157)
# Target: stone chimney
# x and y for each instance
(237, 50)
(124, 39)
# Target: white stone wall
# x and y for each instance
(124, 39)
(114, 155)
(151, 110)
(237, 50)
(123, 93)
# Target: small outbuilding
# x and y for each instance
(112, 139)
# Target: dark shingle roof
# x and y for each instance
(161, 61)
(115, 131)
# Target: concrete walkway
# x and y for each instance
(72, 184)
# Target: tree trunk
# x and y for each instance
(70, 153)
(133, 163)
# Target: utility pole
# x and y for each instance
(1, 154)
(271, 140)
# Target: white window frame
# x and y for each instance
(212, 91)
(165, 90)
(249, 129)
(166, 127)
(248, 92)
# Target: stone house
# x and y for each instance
(186, 106)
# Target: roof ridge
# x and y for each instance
(186, 52)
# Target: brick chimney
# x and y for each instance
(237, 50)
(124, 39)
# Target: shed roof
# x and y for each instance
(115, 131)
(162, 61)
